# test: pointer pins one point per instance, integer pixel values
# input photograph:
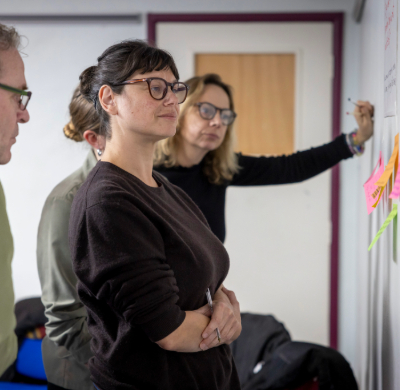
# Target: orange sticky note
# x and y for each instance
(393, 162)
(396, 188)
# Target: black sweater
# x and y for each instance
(254, 171)
(143, 256)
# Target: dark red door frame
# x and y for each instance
(337, 21)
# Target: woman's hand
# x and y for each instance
(363, 114)
(226, 318)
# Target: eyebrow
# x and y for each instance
(173, 81)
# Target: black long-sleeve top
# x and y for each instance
(254, 171)
(143, 256)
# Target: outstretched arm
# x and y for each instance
(306, 164)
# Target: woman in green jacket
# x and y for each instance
(66, 347)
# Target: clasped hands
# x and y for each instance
(225, 317)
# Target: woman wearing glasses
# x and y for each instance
(141, 249)
(201, 160)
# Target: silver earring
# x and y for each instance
(99, 152)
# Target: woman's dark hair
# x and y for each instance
(117, 64)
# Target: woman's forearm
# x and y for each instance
(187, 337)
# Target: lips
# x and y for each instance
(212, 135)
(169, 116)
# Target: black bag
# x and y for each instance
(29, 314)
(267, 359)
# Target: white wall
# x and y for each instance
(349, 169)
(378, 298)
(43, 156)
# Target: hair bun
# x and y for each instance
(71, 132)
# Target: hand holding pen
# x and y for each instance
(361, 104)
(363, 113)
(210, 304)
(225, 316)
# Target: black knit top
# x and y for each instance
(143, 256)
(255, 171)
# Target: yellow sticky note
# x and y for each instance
(394, 158)
(379, 198)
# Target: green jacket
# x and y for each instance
(8, 339)
(66, 347)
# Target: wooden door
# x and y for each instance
(263, 90)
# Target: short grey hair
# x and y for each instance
(9, 37)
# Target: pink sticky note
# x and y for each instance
(396, 188)
(373, 192)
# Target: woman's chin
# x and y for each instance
(210, 146)
(171, 132)
(167, 133)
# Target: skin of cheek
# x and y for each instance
(12, 74)
(193, 130)
(142, 116)
(8, 127)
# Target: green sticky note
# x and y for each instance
(392, 214)
(395, 239)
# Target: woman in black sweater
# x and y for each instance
(143, 252)
(201, 160)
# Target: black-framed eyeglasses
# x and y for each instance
(25, 96)
(158, 88)
(208, 111)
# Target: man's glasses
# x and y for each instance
(208, 111)
(25, 96)
(158, 88)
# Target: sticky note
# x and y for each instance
(394, 161)
(392, 214)
(373, 193)
(396, 188)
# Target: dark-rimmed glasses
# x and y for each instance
(208, 111)
(158, 88)
(25, 96)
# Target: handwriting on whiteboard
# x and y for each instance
(390, 66)
(389, 18)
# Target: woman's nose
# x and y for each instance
(216, 121)
(170, 98)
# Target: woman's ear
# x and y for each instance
(107, 101)
(94, 140)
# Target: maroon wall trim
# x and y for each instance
(337, 20)
(49, 18)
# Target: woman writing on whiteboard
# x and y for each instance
(201, 160)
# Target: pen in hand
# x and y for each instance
(210, 304)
